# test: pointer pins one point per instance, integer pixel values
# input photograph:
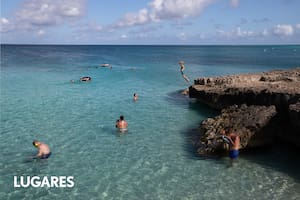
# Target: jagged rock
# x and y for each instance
(279, 88)
(259, 123)
(185, 92)
(294, 113)
(212, 81)
(294, 129)
(251, 123)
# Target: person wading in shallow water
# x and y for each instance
(121, 124)
(235, 145)
(44, 150)
(135, 97)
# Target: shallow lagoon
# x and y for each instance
(154, 160)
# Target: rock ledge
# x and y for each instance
(260, 108)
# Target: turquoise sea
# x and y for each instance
(155, 159)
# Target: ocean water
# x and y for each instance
(155, 159)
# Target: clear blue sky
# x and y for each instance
(150, 21)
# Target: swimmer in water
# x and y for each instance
(121, 124)
(86, 78)
(135, 97)
(106, 65)
(44, 150)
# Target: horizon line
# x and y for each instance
(61, 44)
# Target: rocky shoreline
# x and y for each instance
(261, 108)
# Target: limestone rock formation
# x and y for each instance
(279, 88)
(251, 123)
(259, 107)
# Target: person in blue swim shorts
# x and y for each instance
(235, 145)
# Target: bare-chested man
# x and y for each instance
(135, 97)
(121, 124)
(44, 150)
(235, 145)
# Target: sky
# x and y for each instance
(172, 22)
